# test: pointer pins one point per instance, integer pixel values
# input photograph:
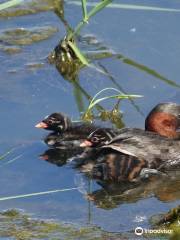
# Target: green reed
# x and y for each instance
(86, 17)
(97, 99)
(11, 3)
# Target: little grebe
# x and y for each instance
(164, 119)
(56, 122)
(60, 123)
(66, 133)
(141, 149)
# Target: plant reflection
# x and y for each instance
(69, 66)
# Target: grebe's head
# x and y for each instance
(57, 122)
(164, 119)
(98, 138)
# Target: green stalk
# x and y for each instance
(128, 7)
(78, 53)
(95, 100)
(36, 194)
(112, 97)
(6, 154)
(98, 8)
(86, 17)
(76, 30)
(95, 9)
(84, 10)
(8, 4)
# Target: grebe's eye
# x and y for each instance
(95, 139)
(51, 120)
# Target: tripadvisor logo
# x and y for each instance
(139, 231)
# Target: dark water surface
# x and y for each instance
(146, 44)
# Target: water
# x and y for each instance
(31, 88)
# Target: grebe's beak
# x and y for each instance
(86, 143)
(44, 157)
(41, 125)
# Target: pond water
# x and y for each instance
(145, 60)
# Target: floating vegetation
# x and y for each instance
(34, 66)
(92, 46)
(167, 218)
(11, 49)
(30, 7)
(169, 221)
(18, 225)
(65, 60)
(26, 36)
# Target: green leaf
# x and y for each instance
(111, 97)
(11, 3)
(149, 71)
(78, 96)
(78, 53)
(121, 95)
(99, 7)
(128, 7)
(6, 154)
(36, 194)
(103, 90)
(84, 9)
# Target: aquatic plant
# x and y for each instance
(11, 3)
(120, 95)
(87, 15)
(37, 194)
(69, 44)
(5, 154)
(168, 221)
(18, 225)
(95, 8)
(113, 115)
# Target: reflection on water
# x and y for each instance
(142, 62)
(112, 194)
(60, 156)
